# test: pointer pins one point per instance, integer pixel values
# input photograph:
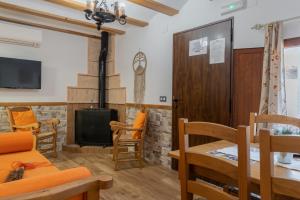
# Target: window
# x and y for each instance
(292, 67)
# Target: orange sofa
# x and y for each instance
(44, 181)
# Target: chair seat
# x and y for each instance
(128, 143)
(127, 138)
(45, 135)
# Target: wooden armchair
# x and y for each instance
(121, 139)
(23, 118)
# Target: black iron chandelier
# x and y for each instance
(100, 12)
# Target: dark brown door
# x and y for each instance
(248, 64)
(201, 91)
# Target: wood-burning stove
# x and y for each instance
(92, 125)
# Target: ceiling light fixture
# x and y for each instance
(100, 12)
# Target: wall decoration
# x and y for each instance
(198, 47)
(139, 67)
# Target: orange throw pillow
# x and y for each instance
(16, 142)
(43, 182)
(138, 123)
(24, 118)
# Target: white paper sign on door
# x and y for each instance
(198, 47)
(217, 51)
(291, 72)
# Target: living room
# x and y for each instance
(93, 94)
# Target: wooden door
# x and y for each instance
(248, 65)
(201, 91)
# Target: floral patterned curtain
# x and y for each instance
(273, 98)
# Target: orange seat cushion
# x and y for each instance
(45, 181)
(6, 161)
(23, 118)
(16, 142)
(138, 123)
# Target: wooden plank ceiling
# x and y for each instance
(81, 6)
(156, 6)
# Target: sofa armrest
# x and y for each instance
(90, 186)
(49, 181)
(16, 142)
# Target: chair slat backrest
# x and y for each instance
(274, 119)
(238, 172)
(218, 131)
(144, 129)
(145, 125)
(269, 184)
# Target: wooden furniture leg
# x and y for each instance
(116, 158)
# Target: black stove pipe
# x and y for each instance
(102, 68)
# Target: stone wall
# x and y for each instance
(42, 113)
(158, 139)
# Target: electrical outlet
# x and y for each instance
(163, 99)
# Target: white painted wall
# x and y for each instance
(62, 55)
(156, 39)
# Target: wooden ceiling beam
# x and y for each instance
(156, 6)
(81, 6)
(43, 26)
(47, 15)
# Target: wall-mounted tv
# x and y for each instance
(20, 74)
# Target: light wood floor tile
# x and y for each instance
(149, 183)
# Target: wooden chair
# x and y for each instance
(275, 119)
(269, 184)
(42, 138)
(189, 186)
(122, 140)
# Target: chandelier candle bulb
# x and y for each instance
(99, 11)
(122, 9)
(117, 9)
(89, 5)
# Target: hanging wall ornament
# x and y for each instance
(139, 67)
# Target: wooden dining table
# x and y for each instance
(281, 172)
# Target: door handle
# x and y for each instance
(175, 102)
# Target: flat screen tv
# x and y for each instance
(20, 74)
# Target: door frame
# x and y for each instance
(292, 42)
(231, 19)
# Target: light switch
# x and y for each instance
(163, 99)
